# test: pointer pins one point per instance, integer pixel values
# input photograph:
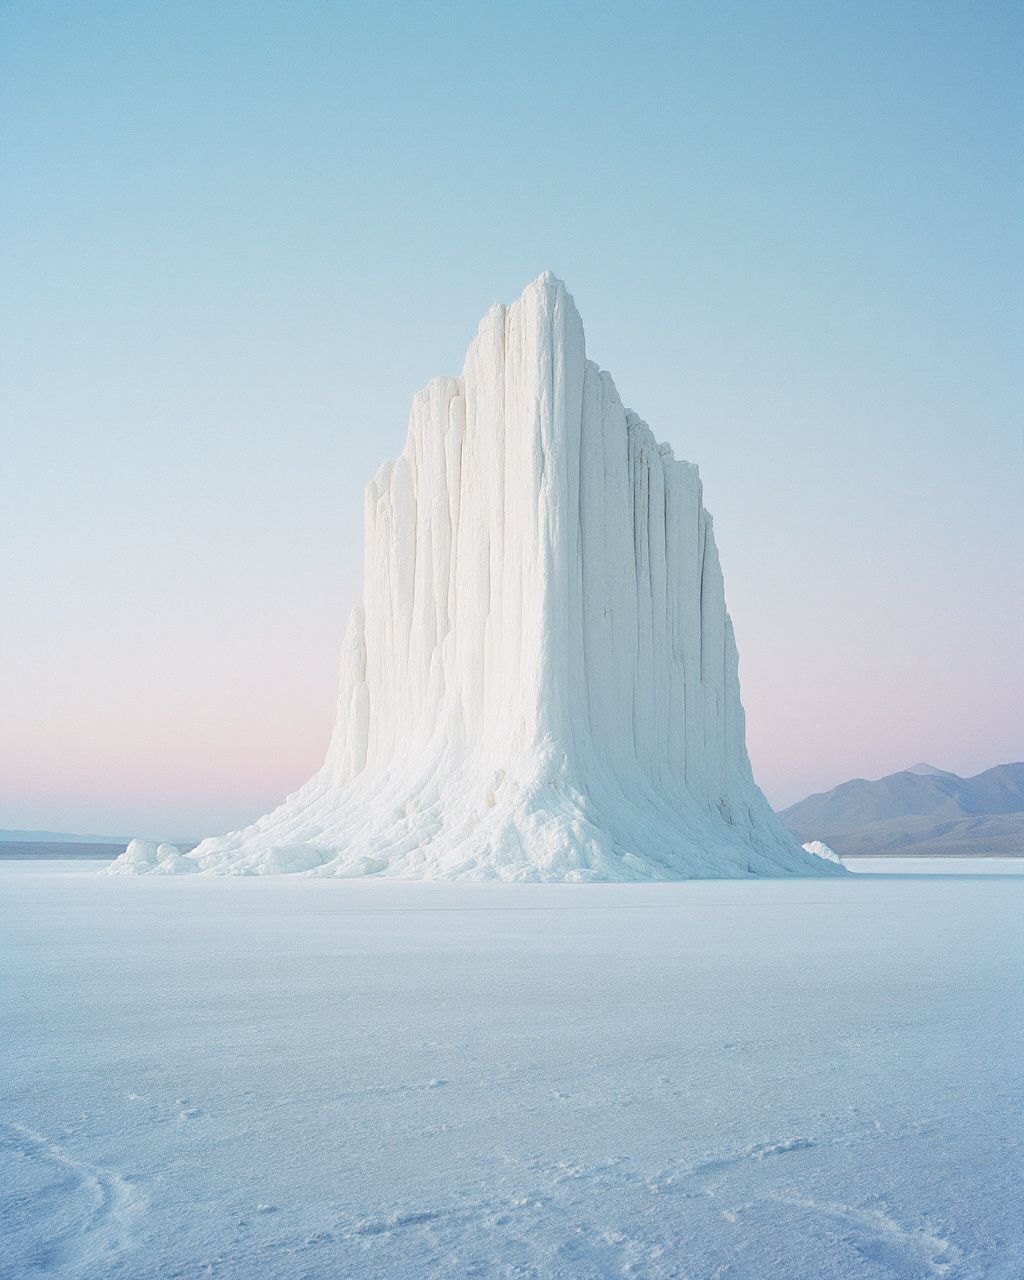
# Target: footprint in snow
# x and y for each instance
(758, 1151)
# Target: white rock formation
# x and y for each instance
(541, 683)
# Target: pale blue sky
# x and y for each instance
(236, 238)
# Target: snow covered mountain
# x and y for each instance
(918, 810)
(541, 683)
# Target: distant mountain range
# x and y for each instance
(57, 837)
(921, 810)
(64, 844)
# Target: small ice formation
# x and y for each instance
(821, 850)
(541, 682)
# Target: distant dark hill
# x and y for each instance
(57, 837)
(919, 810)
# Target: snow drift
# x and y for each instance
(541, 683)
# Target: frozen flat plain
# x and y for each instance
(283, 1077)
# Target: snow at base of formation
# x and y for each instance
(821, 850)
(541, 682)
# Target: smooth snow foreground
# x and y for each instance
(271, 1079)
(541, 683)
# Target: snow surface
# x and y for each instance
(541, 682)
(270, 1078)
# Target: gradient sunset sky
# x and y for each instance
(236, 238)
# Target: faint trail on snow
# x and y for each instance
(92, 1210)
(914, 1255)
(548, 1218)
(911, 1254)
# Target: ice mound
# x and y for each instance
(541, 682)
(821, 850)
(146, 856)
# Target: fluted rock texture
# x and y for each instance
(541, 683)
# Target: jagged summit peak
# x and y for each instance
(546, 278)
(546, 285)
(549, 286)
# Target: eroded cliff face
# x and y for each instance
(541, 682)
